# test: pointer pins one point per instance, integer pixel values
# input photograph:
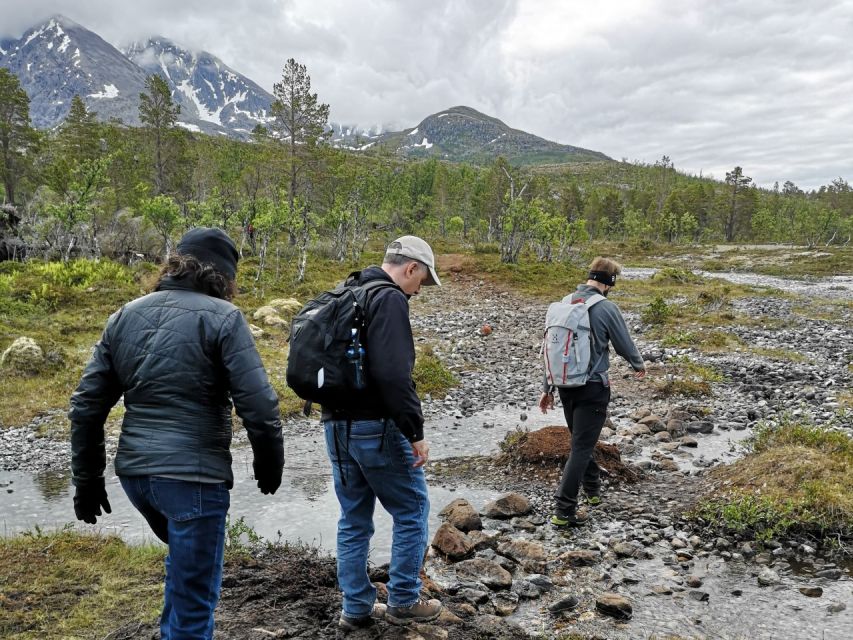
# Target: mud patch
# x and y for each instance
(291, 592)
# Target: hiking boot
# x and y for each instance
(593, 500)
(422, 611)
(347, 624)
(566, 522)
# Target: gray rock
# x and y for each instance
(488, 572)
(581, 558)
(566, 603)
(811, 592)
(615, 606)
(507, 506)
(767, 577)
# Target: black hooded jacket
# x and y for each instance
(390, 358)
(178, 357)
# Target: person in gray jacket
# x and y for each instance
(585, 407)
(179, 356)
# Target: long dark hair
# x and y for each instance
(201, 275)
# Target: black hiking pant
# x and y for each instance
(586, 410)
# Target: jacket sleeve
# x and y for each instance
(391, 359)
(621, 339)
(97, 393)
(254, 398)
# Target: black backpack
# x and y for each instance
(326, 360)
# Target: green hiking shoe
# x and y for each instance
(567, 522)
(593, 501)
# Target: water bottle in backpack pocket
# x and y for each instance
(567, 345)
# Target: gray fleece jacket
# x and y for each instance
(607, 327)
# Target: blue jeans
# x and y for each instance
(371, 460)
(190, 518)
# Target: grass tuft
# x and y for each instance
(796, 478)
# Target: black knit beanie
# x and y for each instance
(212, 246)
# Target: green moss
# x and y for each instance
(430, 374)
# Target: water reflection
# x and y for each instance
(52, 484)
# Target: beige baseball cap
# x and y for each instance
(416, 249)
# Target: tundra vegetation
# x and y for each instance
(90, 209)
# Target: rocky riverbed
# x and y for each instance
(640, 569)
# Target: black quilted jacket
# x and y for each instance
(179, 357)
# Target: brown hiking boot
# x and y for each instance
(347, 624)
(422, 611)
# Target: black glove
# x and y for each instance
(88, 500)
(268, 466)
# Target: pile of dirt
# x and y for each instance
(551, 446)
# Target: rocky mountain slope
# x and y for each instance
(60, 58)
(464, 134)
(212, 96)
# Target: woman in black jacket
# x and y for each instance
(179, 356)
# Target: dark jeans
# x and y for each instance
(372, 460)
(586, 410)
(190, 518)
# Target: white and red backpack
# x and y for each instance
(567, 346)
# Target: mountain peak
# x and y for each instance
(462, 133)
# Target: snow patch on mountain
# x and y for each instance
(110, 91)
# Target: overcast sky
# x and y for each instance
(764, 84)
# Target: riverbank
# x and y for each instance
(724, 360)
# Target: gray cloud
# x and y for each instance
(765, 85)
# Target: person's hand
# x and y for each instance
(639, 375)
(88, 500)
(421, 450)
(268, 466)
(546, 401)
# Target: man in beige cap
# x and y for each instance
(377, 447)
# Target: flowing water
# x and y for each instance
(305, 509)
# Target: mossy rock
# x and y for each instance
(23, 356)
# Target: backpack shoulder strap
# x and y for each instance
(596, 297)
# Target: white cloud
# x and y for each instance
(765, 84)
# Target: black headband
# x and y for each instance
(603, 277)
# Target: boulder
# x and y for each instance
(614, 605)
(767, 577)
(451, 542)
(23, 356)
(653, 422)
(482, 540)
(506, 602)
(530, 555)
(257, 332)
(265, 311)
(485, 571)
(462, 515)
(581, 557)
(287, 307)
(507, 506)
(275, 321)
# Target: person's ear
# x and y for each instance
(411, 269)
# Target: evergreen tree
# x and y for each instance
(737, 201)
(17, 137)
(159, 113)
(299, 118)
(78, 135)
